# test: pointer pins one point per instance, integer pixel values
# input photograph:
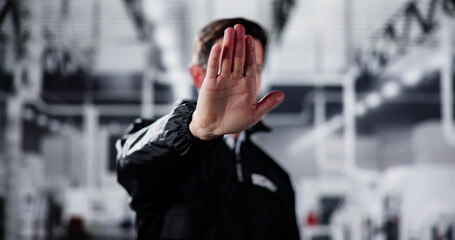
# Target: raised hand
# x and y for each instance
(227, 99)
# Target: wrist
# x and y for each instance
(200, 132)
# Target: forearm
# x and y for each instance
(159, 151)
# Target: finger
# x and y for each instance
(228, 48)
(250, 60)
(212, 65)
(239, 49)
(268, 102)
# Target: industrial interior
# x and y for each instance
(366, 130)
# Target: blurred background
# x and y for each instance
(366, 131)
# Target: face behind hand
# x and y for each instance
(227, 101)
(198, 74)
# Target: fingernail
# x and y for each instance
(280, 98)
(251, 43)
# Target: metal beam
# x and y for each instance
(13, 136)
(378, 56)
(349, 103)
(307, 79)
(4, 10)
(447, 86)
(134, 9)
(13, 154)
(114, 110)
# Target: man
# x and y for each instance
(195, 174)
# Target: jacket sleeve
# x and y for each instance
(154, 160)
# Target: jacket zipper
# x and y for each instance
(239, 168)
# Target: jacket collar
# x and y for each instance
(258, 127)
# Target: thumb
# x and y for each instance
(268, 102)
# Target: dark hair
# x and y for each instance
(215, 30)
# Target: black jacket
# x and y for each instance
(186, 188)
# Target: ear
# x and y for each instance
(198, 75)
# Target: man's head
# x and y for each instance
(213, 33)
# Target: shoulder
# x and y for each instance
(138, 124)
(185, 103)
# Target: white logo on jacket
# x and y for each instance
(262, 181)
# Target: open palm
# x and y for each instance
(227, 99)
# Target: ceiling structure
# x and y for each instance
(95, 47)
